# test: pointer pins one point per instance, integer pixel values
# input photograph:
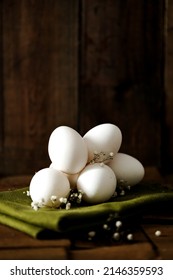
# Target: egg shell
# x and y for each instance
(97, 182)
(127, 168)
(46, 183)
(105, 138)
(71, 177)
(67, 150)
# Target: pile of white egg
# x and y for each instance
(91, 164)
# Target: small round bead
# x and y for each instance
(130, 236)
(116, 236)
(105, 226)
(158, 233)
(118, 224)
(91, 233)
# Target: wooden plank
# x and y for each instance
(1, 83)
(14, 182)
(11, 238)
(164, 241)
(17, 245)
(145, 244)
(40, 54)
(104, 247)
(121, 70)
(121, 252)
(168, 131)
(34, 254)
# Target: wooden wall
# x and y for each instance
(81, 63)
(168, 132)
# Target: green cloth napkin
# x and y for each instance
(16, 211)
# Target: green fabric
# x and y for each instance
(16, 211)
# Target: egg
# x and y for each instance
(103, 139)
(71, 177)
(97, 182)
(67, 150)
(47, 186)
(127, 168)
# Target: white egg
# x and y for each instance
(127, 168)
(104, 138)
(47, 186)
(67, 150)
(71, 177)
(97, 182)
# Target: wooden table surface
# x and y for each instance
(145, 245)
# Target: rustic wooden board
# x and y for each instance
(122, 52)
(1, 82)
(34, 254)
(81, 63)
(11, 239)
(145, 245)
(124, 252)
(17, 245)
(168, 131)
(40, 67)
(106, 248)
(163, 242)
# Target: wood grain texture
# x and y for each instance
(144, 252)
(145, 245)
(1, 81)
(11, 239)
(40, 78)
(122, 52)
(81, 63)
(168, 132)
(162, 242)
(34, 254)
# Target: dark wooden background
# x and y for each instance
(81, 63)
